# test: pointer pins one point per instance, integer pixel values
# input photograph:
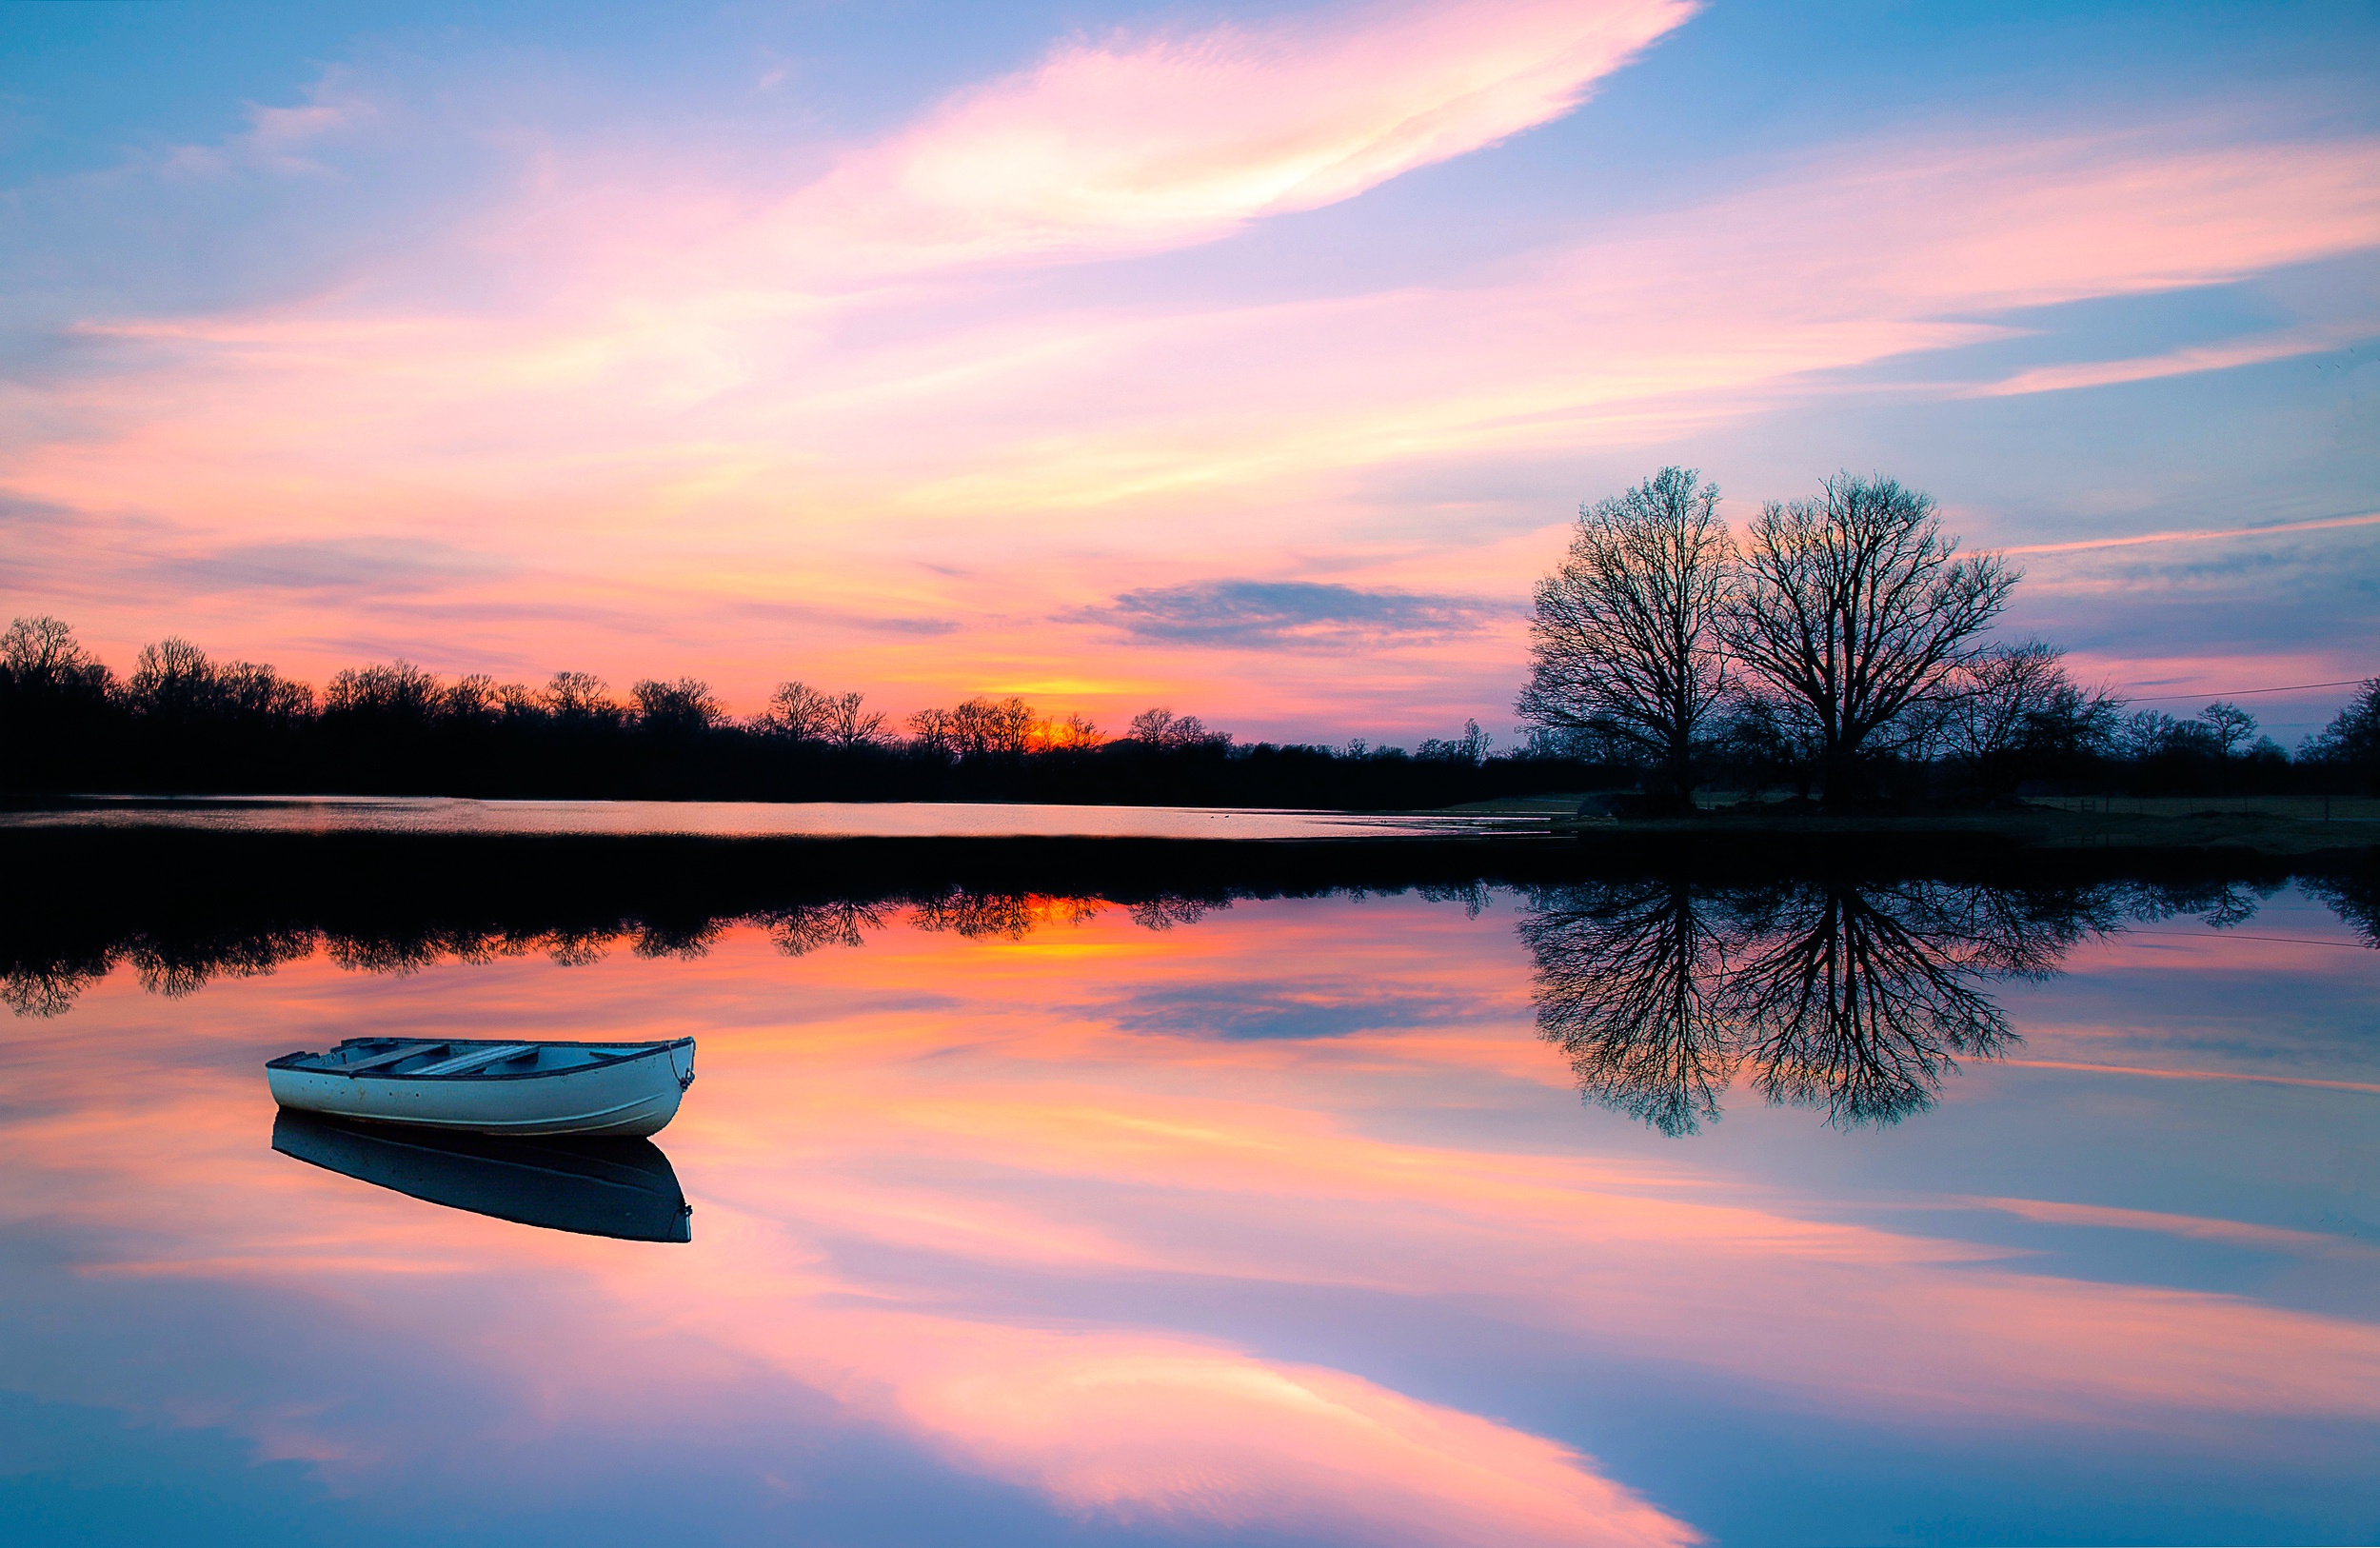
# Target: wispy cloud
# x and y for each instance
(351, 568)
(283, 139)
(1248, 615)
(1138, 141)
(2140, 539)
(2210, 357)
(2242, 1233)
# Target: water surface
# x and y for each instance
(1624, 1212)
(734, 818)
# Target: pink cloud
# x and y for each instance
(2270, 1238)
(1138, 1428)
(2215, 357)
(2138, 539)
(1129, 143)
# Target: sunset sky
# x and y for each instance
(1249, 358)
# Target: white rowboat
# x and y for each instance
(491, 1087)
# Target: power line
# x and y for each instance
(2242, 693)
(2228, 934)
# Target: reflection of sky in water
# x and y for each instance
(1276, 1225)
(735, 818)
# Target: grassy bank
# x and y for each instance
(2292, 829)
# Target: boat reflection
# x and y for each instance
(622, 1188)
(1856, 1000)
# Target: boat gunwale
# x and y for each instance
(637, 1051)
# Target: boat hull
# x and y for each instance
(625, 1098)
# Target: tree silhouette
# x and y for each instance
(398, 693)
(1629, 985)
(1856, 1001)
(1625, 644)
(808, 927)
(2351, 741)
(2232, 726)
(40, 655)
(2012, 707)
(800, 712)
(580, 698)
(1856, 609)
(686, 707)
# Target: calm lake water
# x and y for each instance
(734, 818)
(1912, 1215)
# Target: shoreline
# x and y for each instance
(1530, 832)
(2032, 830)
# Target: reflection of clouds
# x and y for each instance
(957, 1221)
(1173, 1430)
(1303, 1009)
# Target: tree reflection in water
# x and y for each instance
(1854, 999)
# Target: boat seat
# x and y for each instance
(391, 1056)
(476, 1059)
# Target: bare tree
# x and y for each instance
(519, 702)
(2010, 703)
(1162, 729)
(172, 679)
(580, 697)
(849, 725)
(976, 729)
(41, 655)
(399, 690)
(1471, 747)
(799, 712)
(253, 691)
(2351, 743)
(54, 697)
(1858, 610)
(2149, 733)
(930, 731)
(2230, 724)
(1072, 734)
(681, 707)
(473, 698)
(1626, 641)
(982, 726)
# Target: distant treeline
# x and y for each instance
(183, 721)
(2025, 726)
(2000, 719)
